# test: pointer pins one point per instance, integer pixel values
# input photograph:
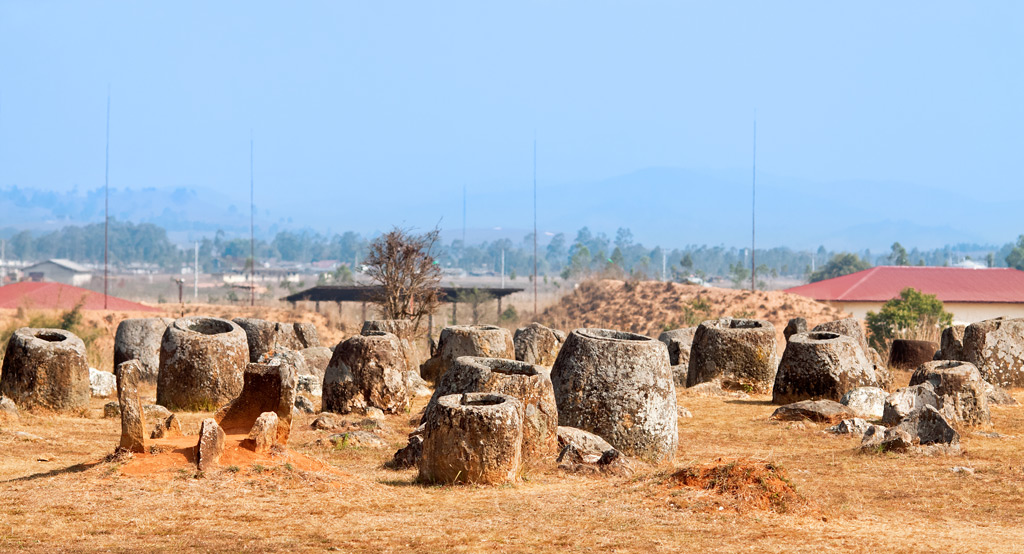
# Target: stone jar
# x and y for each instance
(618, 386)
(202, 360)
(820, 365)
(46, 368)
(139, 339)
(739, 352)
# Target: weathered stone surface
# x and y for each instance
(903, 402)
(304, 405)
(582, 441)
(8, 408)
(201, 363)
(739, 352)
(996, 348)
(290, 357)
(264, 336)
(679, 342)
(268, 387)
(404, 329)
(484, 341)
(620, 386)
(882, 374)
(416, 385)
(951, 346)
(263, 435)
(537, 344)
(309, 384)
(366, 371)
(139, 339)
(326, 422)
(101, 383)
(961, 391)
(821, 365)
(928, 426)
(866, 402)
(530, 384)
(317, 358)
(709, 389)
(854, 426)
(909, 354)
(168, 428)
(357, 439)
(408, 456)
(473, 438)
(896, 440)
(45, 368)
(794, 326)
(821, 411)
(112, 409)
(873, 437)
(850, 327)
(210, 446)
(156, 412)
(133, 421)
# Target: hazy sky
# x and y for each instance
(418, 99)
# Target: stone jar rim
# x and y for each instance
(612, 335)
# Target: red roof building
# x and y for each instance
(58, 296)
(969, 294)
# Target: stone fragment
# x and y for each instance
(821, 411)
(998, 396)
(263, 435)
(961, 391)
(326, 422)
(679, 342)
(903, 401)
(133, 420)
(951, 345)
(484, 341)
(317, 358)
(996, 348)
(304, 405)
(268, 387)
(909, 354)
(854, 426)
(537, 344)
(416, 385)
(101, 383)
(821, 365)
(929, 426)
(167, 429)
(709, 389)
(309, 384)
(741, 353)
(366, 371)
(619, 386)
(357, 439)
(45, 368)
(873, 437)
(794, 326)
(139, 339)
(154, 412)
(210, 446)
(404, 329)
(112, 409)
(202, 360)
(473, 438)
(584, 442)
(8, 408)
(896, 440)
(409, 455)
(866, 402)
(528, 383)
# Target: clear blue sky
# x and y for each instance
(415, 99)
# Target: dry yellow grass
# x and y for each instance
(857, 502)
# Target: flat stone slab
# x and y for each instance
(821, 411)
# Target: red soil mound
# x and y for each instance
(650, 307)
(740, 484)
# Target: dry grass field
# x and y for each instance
(57, 493)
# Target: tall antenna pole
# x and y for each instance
(252, 229)
(106, 204)
(753, 199)
(535, 228)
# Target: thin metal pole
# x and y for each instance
(106, 205)
(252, 229)
(535, 229)
(753, 199)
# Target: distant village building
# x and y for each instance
(58, 270)
(969, 294)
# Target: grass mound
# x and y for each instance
(740, 484)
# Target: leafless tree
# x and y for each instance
(402, 264)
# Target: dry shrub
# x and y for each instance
(743, 483)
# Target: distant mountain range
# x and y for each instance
(662, 206)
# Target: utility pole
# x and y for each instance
(195, 284)
(664, 266)
(106, 205)
(535, 229)
(753, 198)
(252, 229)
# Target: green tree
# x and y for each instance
(739, 273)
(898, 256)
(840, 264)
(911, 312)
(1016, 257)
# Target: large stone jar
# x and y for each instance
(739, 352)
(202, 361)
(618, 386)
(46, 368)
(820, 365)
(139, 339)
(485, 341)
